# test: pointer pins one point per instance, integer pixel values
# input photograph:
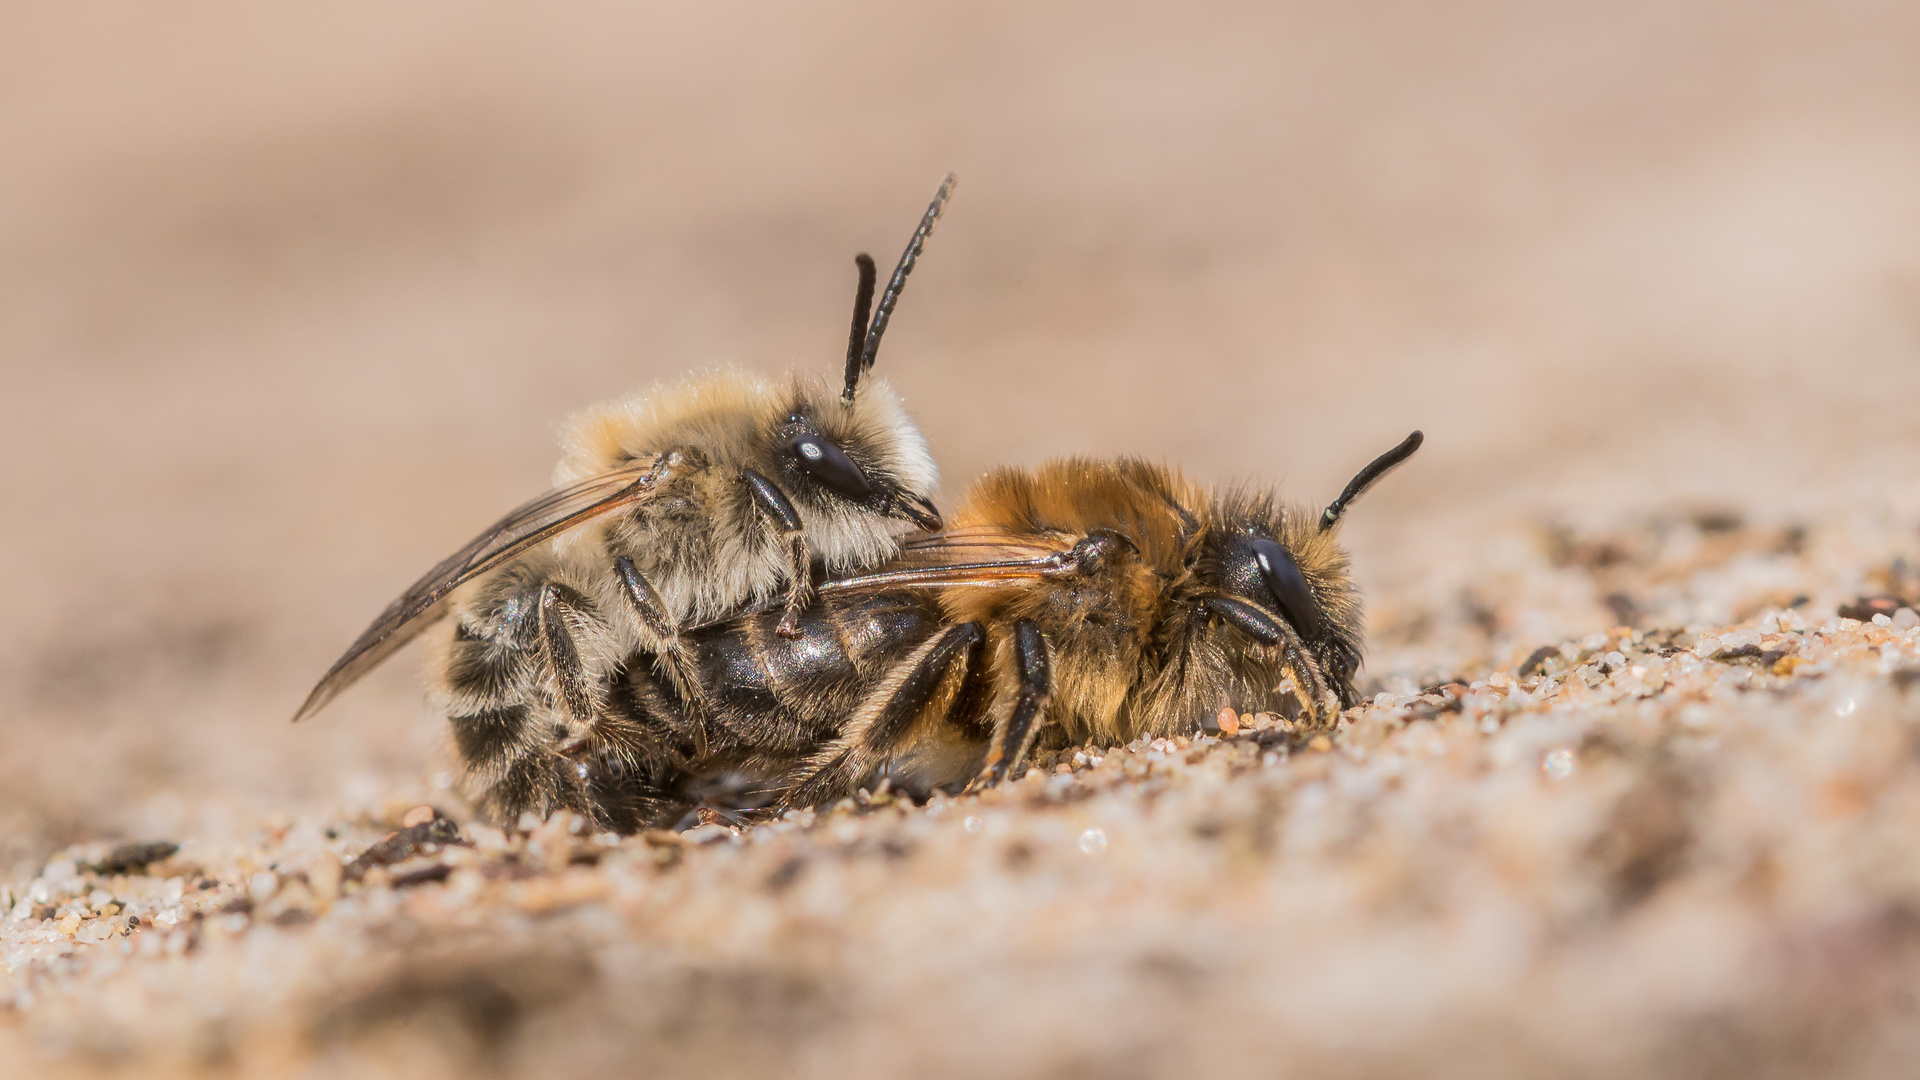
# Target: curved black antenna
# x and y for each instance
(1368, 476)
(892, 296)
(862, 304)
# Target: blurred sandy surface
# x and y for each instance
(289, 305)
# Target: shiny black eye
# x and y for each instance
(1288, 586)
(828, 464)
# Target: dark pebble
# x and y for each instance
(1538, 659)
(1865, 608)
(131, 858)
(423, 839)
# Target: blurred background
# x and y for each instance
(290, 302)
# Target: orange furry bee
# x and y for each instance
(1082, 602)
(672, 506)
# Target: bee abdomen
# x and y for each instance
(488, 738)
(539, 783)
(484, 671)
(732, 670)
(775, 699)
(813, 670)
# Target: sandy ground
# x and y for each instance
(290, 305)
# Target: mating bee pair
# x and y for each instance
(715, 606)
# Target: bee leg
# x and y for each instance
(594, 724)
(883, 721)
(799, 593)
(557, 602)
(782, 516)
(909, 696)
(1036, 688)
(667, 645)
(1309, 683)
(1317, 700)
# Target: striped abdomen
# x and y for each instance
(773, 702)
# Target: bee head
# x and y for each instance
(1277, 576)
(1276, 580)
(839, 460)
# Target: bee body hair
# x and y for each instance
(703, 432)
(1169, 601)
(558, 652)
(701, 543)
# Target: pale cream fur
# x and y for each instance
(718, 424)
(697, 537)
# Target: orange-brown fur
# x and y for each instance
(1131, 652)
(1133, 646)
(1118, 599)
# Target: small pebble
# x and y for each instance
(323, 874)
(419, 815)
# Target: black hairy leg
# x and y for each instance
(571, 678)
(596, 729)
(801, 591)
(933, 675)
(669, 650)
(781, 516)
(1310, 686)
(1035, 676)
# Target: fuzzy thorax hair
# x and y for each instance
(698, 538)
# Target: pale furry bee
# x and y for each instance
(1083, 602)
(671, 507)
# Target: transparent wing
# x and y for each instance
(974, 544)
(424, 602)
(961, 534)
(961, 557)
(1002, 564)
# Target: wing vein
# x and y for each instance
(424, 602)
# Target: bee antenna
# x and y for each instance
(862, 303)
(871, 348)
(1369, 476)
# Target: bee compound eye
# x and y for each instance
(829, 465)
(1288, 585)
